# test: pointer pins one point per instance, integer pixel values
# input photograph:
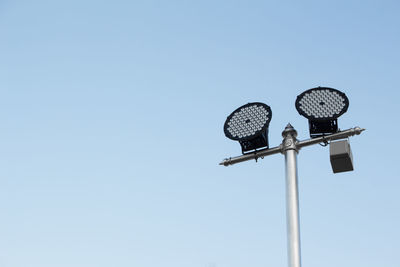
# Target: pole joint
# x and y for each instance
(289, 139)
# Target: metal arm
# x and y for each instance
(299, 144)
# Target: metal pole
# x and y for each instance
(290, 147)
(292, 196)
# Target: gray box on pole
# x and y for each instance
(341, 156)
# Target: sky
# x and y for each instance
(111, 131)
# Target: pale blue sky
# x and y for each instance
(111, 117)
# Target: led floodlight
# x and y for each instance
(249, 125)
(322, 106)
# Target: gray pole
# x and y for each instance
(290, 147)
(292, 196)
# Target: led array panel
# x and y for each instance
(322, 103)
(248, 121)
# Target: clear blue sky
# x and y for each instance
(111, 117)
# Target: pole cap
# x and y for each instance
(289, 130)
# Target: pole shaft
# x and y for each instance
(290, 147)
(292, 209)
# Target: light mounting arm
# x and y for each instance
(299, 144)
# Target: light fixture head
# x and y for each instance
(249, 125)
(322, 106)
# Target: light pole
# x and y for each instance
(327, 104)
(292, 196)
(290, 147)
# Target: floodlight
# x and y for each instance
(249, 125)
(322, 106)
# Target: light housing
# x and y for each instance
(248, 124)
(322, 106)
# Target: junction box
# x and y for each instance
(341, 156)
